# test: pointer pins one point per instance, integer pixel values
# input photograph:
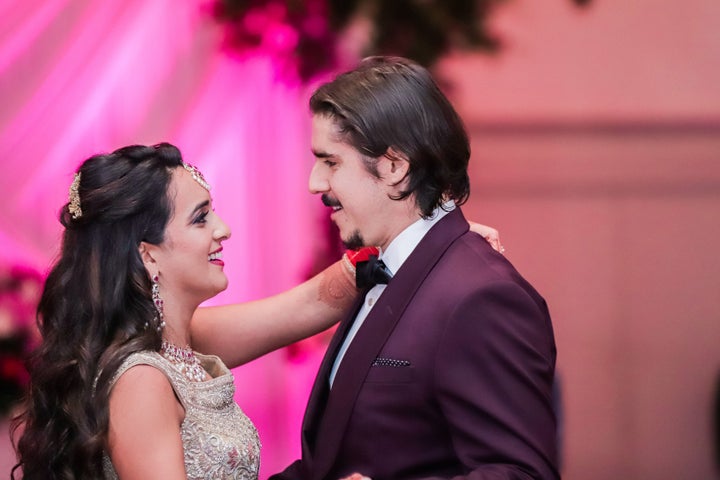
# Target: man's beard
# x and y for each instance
(355, 241)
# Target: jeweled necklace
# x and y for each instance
(184, 360)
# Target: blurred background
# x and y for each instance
(595, 131)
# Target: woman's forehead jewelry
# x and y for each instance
(74, 198)
(196, 175)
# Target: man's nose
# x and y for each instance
(318, 182)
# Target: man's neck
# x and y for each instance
(407, 239)
(406, 214)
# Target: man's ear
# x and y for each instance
(397, 167)
(146, 255)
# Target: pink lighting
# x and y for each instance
(595, 138)
(82, 77)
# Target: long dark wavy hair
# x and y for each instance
(95, 310)
(394, 102)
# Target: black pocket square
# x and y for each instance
(390, 362)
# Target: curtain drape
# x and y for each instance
(79, 77)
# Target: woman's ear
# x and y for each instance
(397, 167)
(145, 250)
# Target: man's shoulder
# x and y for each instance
(470, 263)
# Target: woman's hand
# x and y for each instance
(488, 233)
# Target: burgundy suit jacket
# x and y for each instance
(467, 390)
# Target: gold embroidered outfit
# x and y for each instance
(219, 440)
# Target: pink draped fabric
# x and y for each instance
(78, 77)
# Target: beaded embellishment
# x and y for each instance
(197, 175)
(184, 360)
(219, 441)
(74, 198)
(159, 303)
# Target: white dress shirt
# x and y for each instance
(394, 256)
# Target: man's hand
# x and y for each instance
(356, 476)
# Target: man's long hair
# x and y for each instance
(393, 103)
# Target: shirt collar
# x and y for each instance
(403, 245)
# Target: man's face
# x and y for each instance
(362, 209)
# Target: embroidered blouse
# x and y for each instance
(219, 440)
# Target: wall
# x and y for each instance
(596, 152)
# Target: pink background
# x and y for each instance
(596, 152)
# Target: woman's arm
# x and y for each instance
(144, 438)
(242, 332)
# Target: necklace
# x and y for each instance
(184, 360)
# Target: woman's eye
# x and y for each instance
(201, 218)
(330, 163)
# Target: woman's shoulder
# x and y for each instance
(145, 415)
(141, 376)
(142, 372)
(146, 359)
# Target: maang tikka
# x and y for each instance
(160, 318)
(197, 175)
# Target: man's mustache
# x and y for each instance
(328, 201)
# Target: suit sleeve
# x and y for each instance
(493, 382)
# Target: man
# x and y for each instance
(446, 371)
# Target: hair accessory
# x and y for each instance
(184, 360)
(197, 176)
(74, 198)
(160, 318)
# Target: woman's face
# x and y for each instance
(189, 260)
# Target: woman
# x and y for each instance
(115, 388)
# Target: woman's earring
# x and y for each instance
(160, 318)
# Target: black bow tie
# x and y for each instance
(372, 272)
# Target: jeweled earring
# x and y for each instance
(160, 319)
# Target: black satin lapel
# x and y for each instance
(373, 334)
